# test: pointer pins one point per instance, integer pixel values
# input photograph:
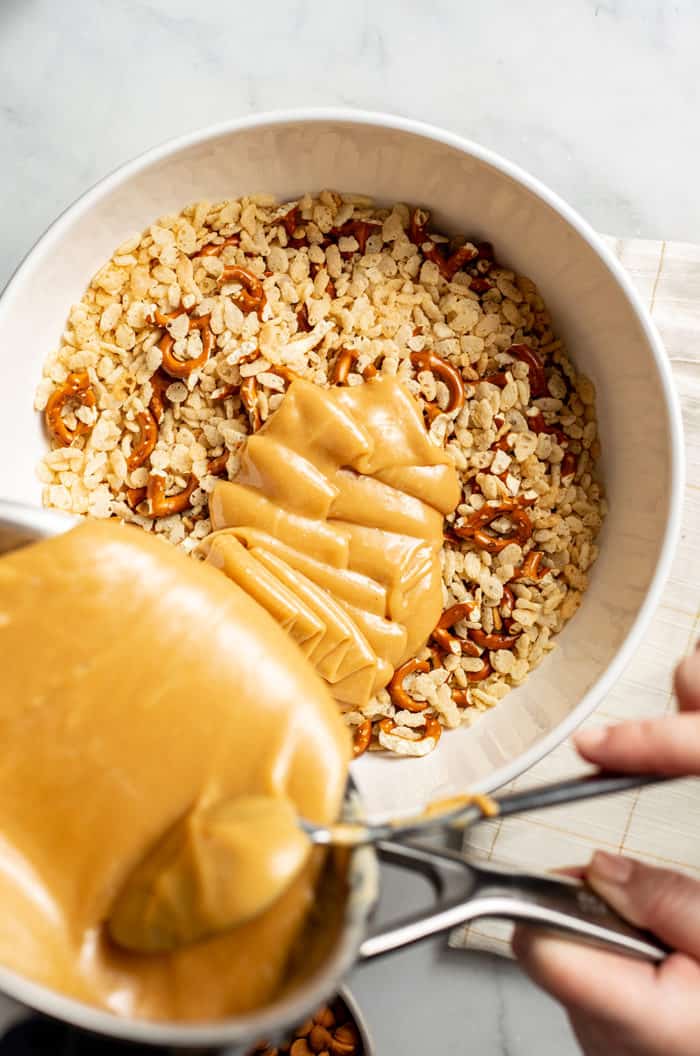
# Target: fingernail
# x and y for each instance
(610, 868)
(590, 739)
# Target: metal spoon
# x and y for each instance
(475, 809)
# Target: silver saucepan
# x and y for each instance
(465, 890)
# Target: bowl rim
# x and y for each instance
(191, 1034)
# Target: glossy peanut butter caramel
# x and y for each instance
(147, 705)
(334, 524)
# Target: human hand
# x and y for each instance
(618, 1006)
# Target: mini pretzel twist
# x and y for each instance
(135, 496)
(360, 230)
(475, 526)
(461, 696)
(530, 568)
(252, 295)
(214, 249)
(75, 387)
(538, 380)
(537, 424)
(568, 465)
(344, 362)
(451, 643)
(432, 728)
(507, 602)
(449, 266)
(148, 428)
(217, 465)
(495, 640)
(159, 387)
(155, 489)
(290, 220)
(162, 505)
(399, 697)
(418, 226)
(446, 265)
(361, 738)
(443, 370)
(182, 368)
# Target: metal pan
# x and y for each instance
(465, 891)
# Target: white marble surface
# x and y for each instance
(598, 98)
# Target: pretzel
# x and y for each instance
(537, 424)
(182, 368)
(135, 496)
(360, 230)
(445, 372)
(147, 441)
(290, 220)
(475, 526)
(249, 399)
(497, 378)
(303, 324)
(343, 362)
(163, 318)
(568, 465)
(538, 380)
(447, 265)
(286, 373)
(508, 600)
(441, 635)
(432, 729)
(460, 696)
(530, 568)
(361, 738)
(399, 697)
(418, 226)
(213, 249)
(252, 295)
(75, 387)
(217, 465)
(162, 505)
(495, 640)
(431, 412)
(159, 386)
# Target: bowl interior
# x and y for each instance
(467, 193)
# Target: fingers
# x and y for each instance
(580, 976)
(616, 1004)
(669, 745)
(686, 682)
(666, 903)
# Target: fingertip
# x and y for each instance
(590, 741)
(578, 975)
(686, 682)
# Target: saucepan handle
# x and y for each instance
(466, 892)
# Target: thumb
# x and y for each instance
(664, 902)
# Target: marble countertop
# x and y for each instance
(598, 98)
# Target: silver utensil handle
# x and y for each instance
(467, 892)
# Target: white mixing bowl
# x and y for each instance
(470, 191)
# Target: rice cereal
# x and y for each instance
(185, 342)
